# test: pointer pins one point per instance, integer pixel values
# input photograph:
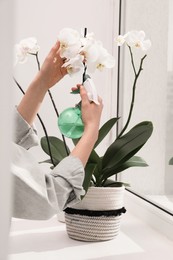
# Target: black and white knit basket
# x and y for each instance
(97, 217)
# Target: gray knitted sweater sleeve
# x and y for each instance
(38, 194)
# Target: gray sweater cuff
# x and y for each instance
(24, 134)
(69, 181)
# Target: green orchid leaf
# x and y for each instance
(57, 148)
(171, 161)
(97, 174)
(104, 130)
(89, 170)
(50, 162)
(111, 183)
(75, 141)
(94, 158)
(134, 161)
(46, 161)
(77, 91)
(123, 148)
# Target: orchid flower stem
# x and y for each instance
(53, 103)
(37, 59)
(84, 73)
(132, 60)
(133, 91)
(85, 67)
(41, 121)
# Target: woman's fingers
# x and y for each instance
(54, 49)
(83, 94)
(55, 57)
(76, 87)
(100, 100)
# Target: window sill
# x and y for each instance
(150, 214)
(38, 240)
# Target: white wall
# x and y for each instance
(150, 104)
(6, 28)
(170, 36)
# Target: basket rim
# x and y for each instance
(106, 188)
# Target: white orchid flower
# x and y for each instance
(74, 64)
(137, 39)
(120, 40)
(79, 50)
(24, 48)
(70, 52)
(89, 38)
(69, 42)
(91, 50)
(104, 60)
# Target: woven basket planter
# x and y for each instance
(97, 217)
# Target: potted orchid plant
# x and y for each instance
(120, 155)
(103, 202)
(84, 54)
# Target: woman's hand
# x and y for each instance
(91, 114)
(52, 71)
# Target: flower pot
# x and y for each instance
(97, 217)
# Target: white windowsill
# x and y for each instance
(150, 214)
(42, 240)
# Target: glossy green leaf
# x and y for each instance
(95, 158)
(111, 183)
(75, 141)
(89, 170)
(57, 148)
(126, 146)
(46, 161)
(77, 91)
(104, 130)
(135, 161)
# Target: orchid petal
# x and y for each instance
(25, 47)
(120, 40)
(146, 45)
